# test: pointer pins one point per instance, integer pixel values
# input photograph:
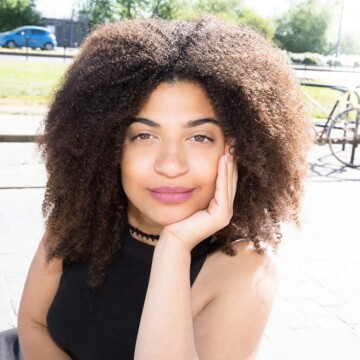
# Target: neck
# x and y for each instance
(142, 236)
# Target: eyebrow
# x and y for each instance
(189, 124)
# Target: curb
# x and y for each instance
(20, 138)
(29, 54)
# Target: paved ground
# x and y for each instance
(316, 314)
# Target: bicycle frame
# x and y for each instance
(341, 128)
(346, 93)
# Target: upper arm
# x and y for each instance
(40, 288)
(232, 324)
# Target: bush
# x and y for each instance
(296, 60)
(349, 61)
(334, 63)
(309, 61)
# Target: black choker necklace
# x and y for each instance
(142, 234)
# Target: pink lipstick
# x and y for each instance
(171, 194)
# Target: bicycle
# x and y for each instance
(342, 127)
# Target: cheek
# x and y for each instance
(132, 162)
(206, 168)
(129, 169)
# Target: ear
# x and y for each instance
(230, 146)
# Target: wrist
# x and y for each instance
(170, 242)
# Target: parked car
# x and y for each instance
(31, 36)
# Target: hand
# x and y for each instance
(204, 223)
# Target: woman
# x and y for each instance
(171, 147)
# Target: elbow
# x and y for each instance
(21, 324)
(27, 326)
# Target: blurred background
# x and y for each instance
(316, 313)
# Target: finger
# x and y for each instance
(230, 170)
(234, 180)
(230, 166)
(232, 174)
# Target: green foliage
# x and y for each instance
(14, 13)
(226, 10)
(303, 28)
(129, 9)
(186, 10)
(250, 17)
(98, 11)
(233, 11)
(219, 7)
(309, 61)
(104, 11)
(165, 9)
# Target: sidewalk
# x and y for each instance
(316, 314)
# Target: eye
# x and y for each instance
(141, 136)
(202, 138)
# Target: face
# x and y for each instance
(170, 157)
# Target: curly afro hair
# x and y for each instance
(248, 82)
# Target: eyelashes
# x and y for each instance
(141, 136)
(202, 138)
(197, 138)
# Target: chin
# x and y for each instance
(171, 216)
(167, 220)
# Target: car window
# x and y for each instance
(38, 32)
(23, 32)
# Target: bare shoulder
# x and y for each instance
(231, 325)
(246, 268)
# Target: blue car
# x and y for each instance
(30, 36)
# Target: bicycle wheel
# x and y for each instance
(343, 137)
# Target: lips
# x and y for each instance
(171, 194)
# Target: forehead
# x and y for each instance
(180, 100)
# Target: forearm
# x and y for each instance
(36, 343)
(166, 326)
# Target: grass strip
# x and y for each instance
(29, 83)
(34, 83)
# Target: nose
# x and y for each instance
(171, 161)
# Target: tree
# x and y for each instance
(104, 11)
(14, 13)
(250, 17)
(166, 9)
(350, 44)
(303, 28)
(130, 9)
(98, 11)
(235, 12)
(227, 10)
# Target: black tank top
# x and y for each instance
(104, 324)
